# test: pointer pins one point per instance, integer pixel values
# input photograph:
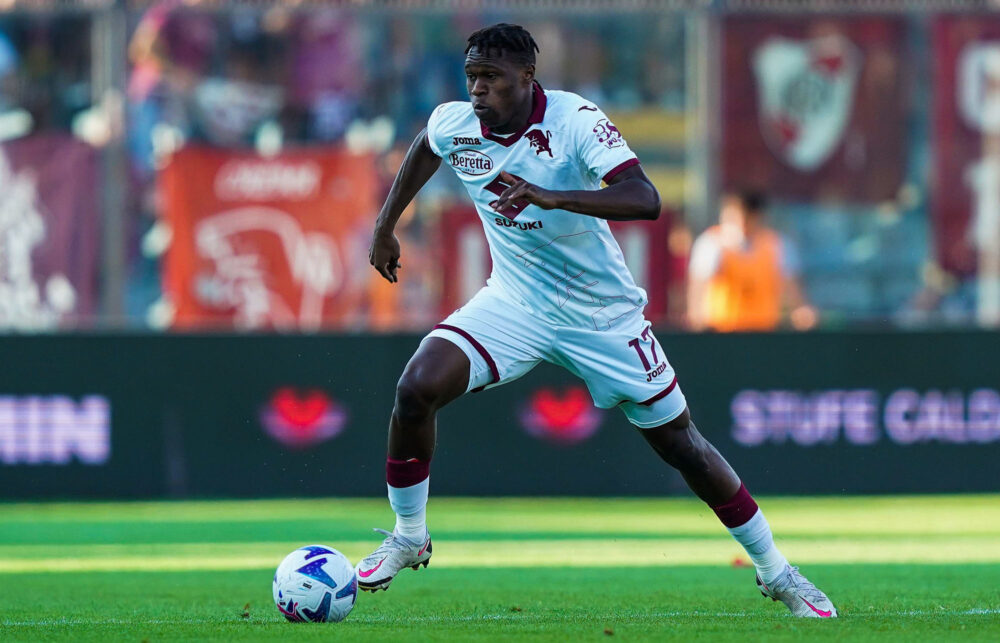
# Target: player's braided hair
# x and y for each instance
(513, 40)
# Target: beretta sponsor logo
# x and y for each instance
(471, 162)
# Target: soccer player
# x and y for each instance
(533, 161)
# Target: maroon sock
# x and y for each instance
(406, 473)
(737, 510)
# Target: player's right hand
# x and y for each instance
(384, 255)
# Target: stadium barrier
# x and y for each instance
(133, 416)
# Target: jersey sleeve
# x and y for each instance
(434, 128)
(600, 145)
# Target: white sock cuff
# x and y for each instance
(756, 524)
(409, 500)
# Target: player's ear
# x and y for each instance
(528, 73)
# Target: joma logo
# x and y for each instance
(466, 140)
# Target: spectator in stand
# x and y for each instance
(743, 274)
(170, 52)
(326, 79)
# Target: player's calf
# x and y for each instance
(708, 474)
(680, 445)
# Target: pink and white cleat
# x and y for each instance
(801, 596)
(377, 570)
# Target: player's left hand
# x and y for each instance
(521, 190)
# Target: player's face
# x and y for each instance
(500, 89)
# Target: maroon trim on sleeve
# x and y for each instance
(619, 168)
(479, 348)
(665, 392)
(538, 102)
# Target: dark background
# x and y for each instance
(185, 416)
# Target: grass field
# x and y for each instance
(915, 568)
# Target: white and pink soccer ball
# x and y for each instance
(315, 584)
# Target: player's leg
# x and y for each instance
(437, 373)
(485, 343)
(627, 368)
(710, 477)
(680, 445)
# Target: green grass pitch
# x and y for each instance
(901, 569)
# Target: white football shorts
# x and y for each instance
(623, 366)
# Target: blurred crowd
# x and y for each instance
(269, 77)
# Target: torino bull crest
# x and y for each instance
(805, 95)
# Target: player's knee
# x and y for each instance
(414, 401)
(417, 396)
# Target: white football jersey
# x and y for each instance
(562, 266)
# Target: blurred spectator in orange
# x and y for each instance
(742, 273)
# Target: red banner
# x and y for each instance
(268, 243)
(965, 191)
(814, 106)
(49, 233)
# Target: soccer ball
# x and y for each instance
(316, 584)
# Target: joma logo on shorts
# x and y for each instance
(471, 162)
(656, 372)
(466, 140)
(524, 225)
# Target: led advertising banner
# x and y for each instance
(231, 416)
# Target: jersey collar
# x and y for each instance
(538, 102)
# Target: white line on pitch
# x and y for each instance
(519, 616)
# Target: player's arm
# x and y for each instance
(419, 165)
(630, 195)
